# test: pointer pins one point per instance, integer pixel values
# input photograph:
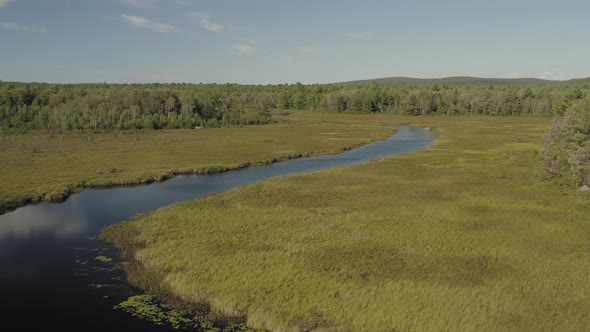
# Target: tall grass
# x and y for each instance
(464, 235)
(40, 165)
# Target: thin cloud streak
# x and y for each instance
(24, 28)
(244, 48)
(145, 4)
(204, 20)
(146, 23)
(149, 4)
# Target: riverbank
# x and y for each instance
(465, 235)
(41, 166)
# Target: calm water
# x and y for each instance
(49, 273)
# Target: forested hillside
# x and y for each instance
(155, 106)
(468, 81)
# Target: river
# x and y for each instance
(55, 273)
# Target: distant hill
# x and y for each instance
(577, 81)
(467, 81)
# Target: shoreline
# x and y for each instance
(124, 238)
(62, 196)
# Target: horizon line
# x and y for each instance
(295, 82)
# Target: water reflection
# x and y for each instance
(48, 219)
(91, 210)
(43, 246)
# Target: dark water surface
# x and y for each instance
(49, 274)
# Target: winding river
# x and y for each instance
(55, 273)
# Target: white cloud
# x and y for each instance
(146, 4)
(25, 28)
(146, 23)
(244, 48)
(549, 75)
(204, 20)
(3, 3)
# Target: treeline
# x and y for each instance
(131, 106)
(110, 107)
(566, 146)
(428, 100)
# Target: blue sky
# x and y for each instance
(275, 41)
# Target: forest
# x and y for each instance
(106, 107)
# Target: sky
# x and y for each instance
(279, 41)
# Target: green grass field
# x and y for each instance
(38, 165)
(464, 235)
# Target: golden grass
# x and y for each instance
(464, 235)
(38, 165)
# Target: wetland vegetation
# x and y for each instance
(40, 165)
(482, 231)
(468, 234)
(219, 166)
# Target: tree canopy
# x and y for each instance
(155, 106)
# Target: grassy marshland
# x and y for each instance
(39, 165)
(464, 235)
